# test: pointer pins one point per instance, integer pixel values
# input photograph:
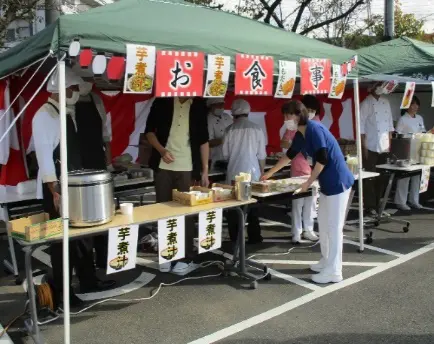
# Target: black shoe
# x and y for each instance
(98, 286)
(255, 241)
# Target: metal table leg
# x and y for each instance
(32, 323)
(383, 207)
(11, 267)
(240, 251)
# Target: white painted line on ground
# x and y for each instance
(266, 222)
(139, 282)
(373, 248)
(295, 280)
(277, 241)
(43, 257)
(5, 339)
(305, 262)
(274, 312)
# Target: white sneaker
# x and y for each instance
(323, 278)
(318, 267)
(296, 239)
(182, 269)
(310, 235)
(165, 267)
(403, 207)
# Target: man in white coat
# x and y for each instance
(46, 136)
(244, 148)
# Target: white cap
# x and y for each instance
(214, 101)
(240, 107)
(71, 79)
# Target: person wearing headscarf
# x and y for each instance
(218, 121)
(244, 148)
(46, 136)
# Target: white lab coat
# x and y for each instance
(408, 124)
(243, 147)
(46, 137)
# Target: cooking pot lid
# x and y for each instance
(88, 176)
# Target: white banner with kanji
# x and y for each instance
(424, 179)
(122, 248)
(210, 230)
(171, 239)
(217, 77)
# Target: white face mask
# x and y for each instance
(218, 112)
(291, 124)
(312, 115)
(74, 98)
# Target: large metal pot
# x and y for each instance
(91, 198)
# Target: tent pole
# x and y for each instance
(64, 203)
(360, 164)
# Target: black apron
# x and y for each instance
(90, 133)
(80, 250)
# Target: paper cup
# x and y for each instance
(127, 208)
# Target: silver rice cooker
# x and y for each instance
(91, 198)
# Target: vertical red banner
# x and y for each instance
(315, 76)
(179, 74)
(254, 75)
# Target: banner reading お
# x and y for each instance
(179, 74)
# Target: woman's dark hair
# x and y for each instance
(415, 100)
(311, 102)
(296, 108)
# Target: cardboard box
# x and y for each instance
(35, 227)
(191, 200)
(218, 196)
(264, 187)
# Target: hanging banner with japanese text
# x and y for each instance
(171, 239)
(338, 83)
(315, 76)
(253, 75)
(286, 81)
(179, 74)
(140, 69)
(210, 230)
(388, 87)
(408, 95)
(217, 77)
(424, 179)
(122, 248)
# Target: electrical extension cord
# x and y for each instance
(202, 265)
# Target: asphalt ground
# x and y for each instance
(386, 296)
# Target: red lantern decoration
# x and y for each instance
(116, 68)
(85, 59)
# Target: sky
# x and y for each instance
(423, 9)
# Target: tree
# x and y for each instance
(406, 24)
(308, 16)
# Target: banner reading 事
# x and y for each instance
(122, 248)
(315, 76)
(338, 83)
(286, 81)
(140, 69)
(210, 230)
(179, 74)
(253, 75)
(408, 95)
(217, 76)
(171, 239)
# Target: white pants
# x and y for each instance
(303, 210)
(402, 190)
(331, 218)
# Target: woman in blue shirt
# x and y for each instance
(335, 181)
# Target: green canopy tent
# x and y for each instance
(401, 59)
(169, 25)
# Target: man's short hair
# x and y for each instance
(296, 108)
(311, 102)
